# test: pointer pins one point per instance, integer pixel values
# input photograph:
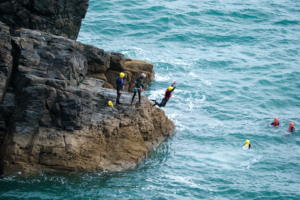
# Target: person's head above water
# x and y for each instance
(170, 88)
(291, 124)
(143, 75)
(276, 119)
(247, 142)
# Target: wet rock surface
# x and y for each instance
(53, 117)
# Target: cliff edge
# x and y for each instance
(54, 114)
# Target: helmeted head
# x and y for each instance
(291, 124)
(143, 75)
(110, 104)
(170, 88)
(247, 142)
(276, 119)
(122, 74)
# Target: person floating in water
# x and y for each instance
(292, 128)
(247, 145)
(275, 122)
(168, 95)
(139, 87)
(120, 87)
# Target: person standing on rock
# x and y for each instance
(168, 95)
(139, 87)
(120, 87)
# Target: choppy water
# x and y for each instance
(237, 65)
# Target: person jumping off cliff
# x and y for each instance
(168, 95)
(139, 87)
(120, 87)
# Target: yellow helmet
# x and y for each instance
(247, 142)
(110, 104)
(122, 74)
(170, 88)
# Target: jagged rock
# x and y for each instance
(6, 60)
(135, 68)
(98, 59)
(117, 62)
(59, 119)
(100, 76)
(139, 65)
(58, 17)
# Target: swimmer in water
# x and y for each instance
(292, 128)
(275, 122)
(247, 145)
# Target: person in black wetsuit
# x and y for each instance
(120, 87)
(168, 95)
(139, 87)
(275, 122)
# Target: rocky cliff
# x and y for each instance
(53, 106)
(58, 17)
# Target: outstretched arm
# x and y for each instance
(174, 87)
(173, 84)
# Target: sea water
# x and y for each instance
(237, 67)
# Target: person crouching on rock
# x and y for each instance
(120, 87)
(139, 87)
(275, 122)
(168, 95)
(292, 128)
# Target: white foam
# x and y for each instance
(206, 82)
(159, 78)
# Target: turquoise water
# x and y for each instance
(237, 65)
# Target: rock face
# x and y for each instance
(55, 118)
(101, 67)
(58, 17)
(6, 60)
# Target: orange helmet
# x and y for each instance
(291, 124)
(276, 119)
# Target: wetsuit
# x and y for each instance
(120, 83)
(247, 146)
(137, 88)
(168, 95)
(291, 129)
(275, 123)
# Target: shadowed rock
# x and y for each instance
(6, 60)
(58, 17)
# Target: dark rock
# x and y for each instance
(98, 59)
(58, 17)
(49, 60)
(117, 62)
(6, 60)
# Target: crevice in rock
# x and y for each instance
(16, 52)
